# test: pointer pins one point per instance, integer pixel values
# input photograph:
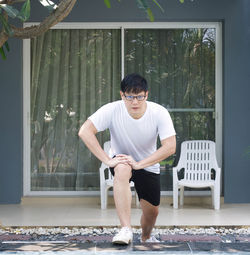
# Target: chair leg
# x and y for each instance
(216, 198)
(182, 195)
(137, 202)
(175, 196)
(212, 193)
(106, 197)
(103, 197)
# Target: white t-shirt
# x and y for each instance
(135, 137)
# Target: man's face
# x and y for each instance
(135, 103)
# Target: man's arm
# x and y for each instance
(87, 133)
(168, 148)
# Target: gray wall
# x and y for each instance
(11, 125)
(235, 15)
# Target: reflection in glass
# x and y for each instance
(74, 72)
(179, 65)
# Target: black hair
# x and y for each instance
(134, 83)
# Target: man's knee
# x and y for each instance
(156, 211)
(153, 212)
(150, 211)
(123, 172)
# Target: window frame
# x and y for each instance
(121, 26)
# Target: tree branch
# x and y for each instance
(62, 11)
(11, 2)
(3, 35)
(3, 38)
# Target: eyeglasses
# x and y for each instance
(131, 98)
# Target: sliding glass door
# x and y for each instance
(75, 71)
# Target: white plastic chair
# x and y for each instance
(197, 158)
(107, 183)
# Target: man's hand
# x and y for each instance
(118, 159)
(130, 161)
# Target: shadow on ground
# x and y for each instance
(14, 241)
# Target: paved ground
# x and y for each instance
(206, 240)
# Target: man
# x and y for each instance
(134, 124)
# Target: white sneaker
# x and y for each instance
(125, 236)
(152, 239)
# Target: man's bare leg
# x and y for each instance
(148, 218)
(122, 193)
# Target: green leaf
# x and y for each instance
(11, 11)
(51, 6)
(24, 14)
(156, 2)
(107, 2)
(6, 26)
(2, 53)
(150, 15)
(182, 1)
(7, 46)
(142, 4)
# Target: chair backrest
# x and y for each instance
(198, 158)
(106, 148)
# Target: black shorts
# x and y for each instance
(147, 185)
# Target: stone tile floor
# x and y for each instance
(91, 240)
